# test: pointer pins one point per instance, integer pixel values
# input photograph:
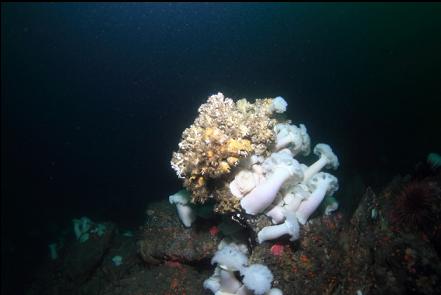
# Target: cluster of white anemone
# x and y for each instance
(231, 260)
(280, 187)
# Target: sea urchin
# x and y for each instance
(415, 205)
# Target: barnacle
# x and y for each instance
(237, 147)
(224, 133)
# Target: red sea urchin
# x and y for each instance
(417, 205)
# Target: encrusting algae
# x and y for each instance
(222, 135)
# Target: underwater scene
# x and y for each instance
(220, 148)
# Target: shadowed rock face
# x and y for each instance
(163, 279)
(369, 253)
(165, 238)
(385, 257)
(366, 252)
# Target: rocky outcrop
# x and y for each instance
(369, 252)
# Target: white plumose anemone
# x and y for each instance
(327, 159)
(280, 166)
(293, 137)
(320, 185)
(279, 105)
(243, 183)
(182, 199)
(289, 227)
(257, 278)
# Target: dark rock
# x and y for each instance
(86, 267)
(370, 253)
(82, 258)
(165, 238)
(380, 258)
(308, 265)
(168, 278)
